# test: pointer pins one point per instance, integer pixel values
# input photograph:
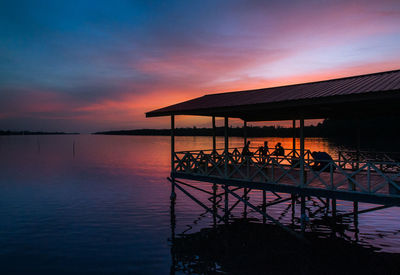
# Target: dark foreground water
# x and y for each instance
(100, 205)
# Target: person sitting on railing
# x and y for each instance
(264, 152)
(279, 151)
(321, 159)
(246, 151)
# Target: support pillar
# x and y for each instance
(294, 138)
(226, 216)
(173, 194)
(264, 205)
(358, 141)
(303, 214)
(334, 226)
(173, 227)
(355, 219)
(334, 208)
(214, 131)
(245, 205)
(302, 175)
(244, 132)
(226, 150)
(215, 188)
(293, 207)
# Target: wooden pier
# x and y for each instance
(354, 176)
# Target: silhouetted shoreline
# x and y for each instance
(377, 134)
(26, 133)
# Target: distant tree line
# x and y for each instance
(20, 133)
(375, 131)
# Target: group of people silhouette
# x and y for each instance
(264, 150)
(320, 158)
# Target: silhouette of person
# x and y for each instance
(279, 151)
(321, 159)
(246, 149)
(264, 151)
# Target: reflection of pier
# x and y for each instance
(354, 176)
(243, 247)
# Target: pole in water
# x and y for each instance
(293, 207)
(303, 214)
(215, 188)
(173, 227)
(226, 204)
(245, 205)
(173, 194)
(264, 205)
(334, 216)
(355, 211)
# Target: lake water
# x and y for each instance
(100, 204)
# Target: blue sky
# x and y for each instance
(98, 65)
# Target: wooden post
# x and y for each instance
(293, 207)
(173, 194)
(173, 227)
(264, 205)
(226, 150)
(215, 187)
(358, 130)
(245, 205)
(355, 203)
(302, 176)
(358, 145)
(226, 204)
(294, 137)
(355, 219)
(214, 134)
(303, 214)
(172, 142)
(334, 208)
(245, 132)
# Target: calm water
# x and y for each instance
(104, 207)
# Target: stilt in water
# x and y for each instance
(173, 194)
(226, 216)
(355, 210)
(264, 205)
(334, 208)
(245, 205)
(327, 206)
(293, 207)
(173, 227)
(334, 216)
(215, 188)
(303, 218)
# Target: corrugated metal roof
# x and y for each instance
(313, 92)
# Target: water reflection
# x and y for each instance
(102, 206)
(246, 244)
(245, 247)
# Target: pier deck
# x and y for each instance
(344, 178)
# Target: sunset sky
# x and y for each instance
(100, 65)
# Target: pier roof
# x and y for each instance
(356, 96)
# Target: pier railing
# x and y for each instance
(349, 172)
